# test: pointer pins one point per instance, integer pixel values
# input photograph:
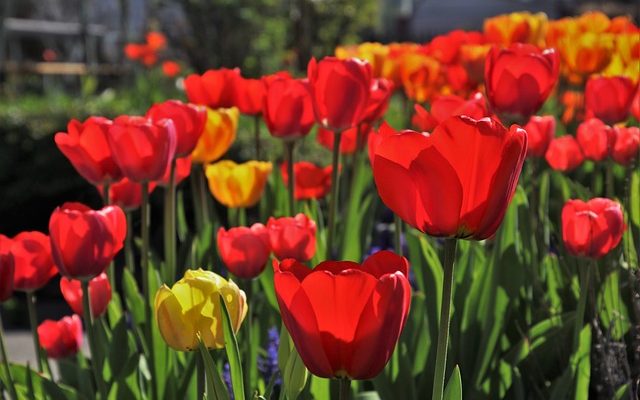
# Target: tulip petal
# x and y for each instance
(176, 330)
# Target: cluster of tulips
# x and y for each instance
(453, 178)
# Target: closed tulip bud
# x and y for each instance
(244, 250)
(188, 121)
(595, 139)
(191, 309)
(292, 237)
(238, 185)
(311, 181)
(62, 338)
(593, 228)
(456, 182)
(564, 154)
(216, 88)
(609, 98)
(218, 135)
(142, 148)
(6, 268)
(86, 146)
(288, 111)
(340, 91)
(250, 94)
(626, 144)
(540, 132)
(84, 241)
(519, 79)
(170, 68)
(99, 294)
(34, 266)
(344, 318)
(127, 194)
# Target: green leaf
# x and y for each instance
(634, 198)
(368, 395)
(611, 307)
(453, 390)
(320, 387)
(132, 296)
(123, 361)
(233, 353)
(216, 389)
(266, 282)
(581, 364)
(623, 392)
(294, 373)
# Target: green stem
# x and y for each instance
(345, 389)
(33, 320)
(609, 178)
(144, 266)
(195, 196)
(105, 194)
(445, 317)
(256, 133)
(200, 376)
(128, 244)
(335, 184)
(397, 234)
(585, 278)
(5, 362)
(170, 226)
(202, 193)
(289, 146)
(95, 357)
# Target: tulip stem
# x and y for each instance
(335, 184)
(170, 226)
(584, 278)
(105, 194)
(256, 132)
(95, 357)
(200, 376)
(5, 362)
(128, 244)
(345, 389)
(609, 178)
(289, 146)
(445, 317)
(397, 234)
(33, 320)
(144, 266)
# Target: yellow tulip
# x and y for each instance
(522, 27)
(192, 309)
(585, 54)
(218, 134)
(419, 74)
(238, 185)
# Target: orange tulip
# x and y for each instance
(219, 132)
(419, 75)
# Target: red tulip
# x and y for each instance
(311, 181)
(374, 139)
(244, 250)
(609, 98)
(519, 79)
(447, 106)
(626, 144)
(592, 229)
(34, 266)
(188, 121)
(126, 194)
(292, 237)
(635, 105)
(595, 139)
(250, 95)
(344, 318)
(170, 68)
(287, 108)
(84, 241)
(183, 170)
(380, 93)
(340, 91)
(564, 154)
(457, 182)
(6, 268)
(85, 145)
(61, 338)
(99, 294)
(540, 132)
(142, 149)
(348, 142)
(216, 88)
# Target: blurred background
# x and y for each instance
(64, 59)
